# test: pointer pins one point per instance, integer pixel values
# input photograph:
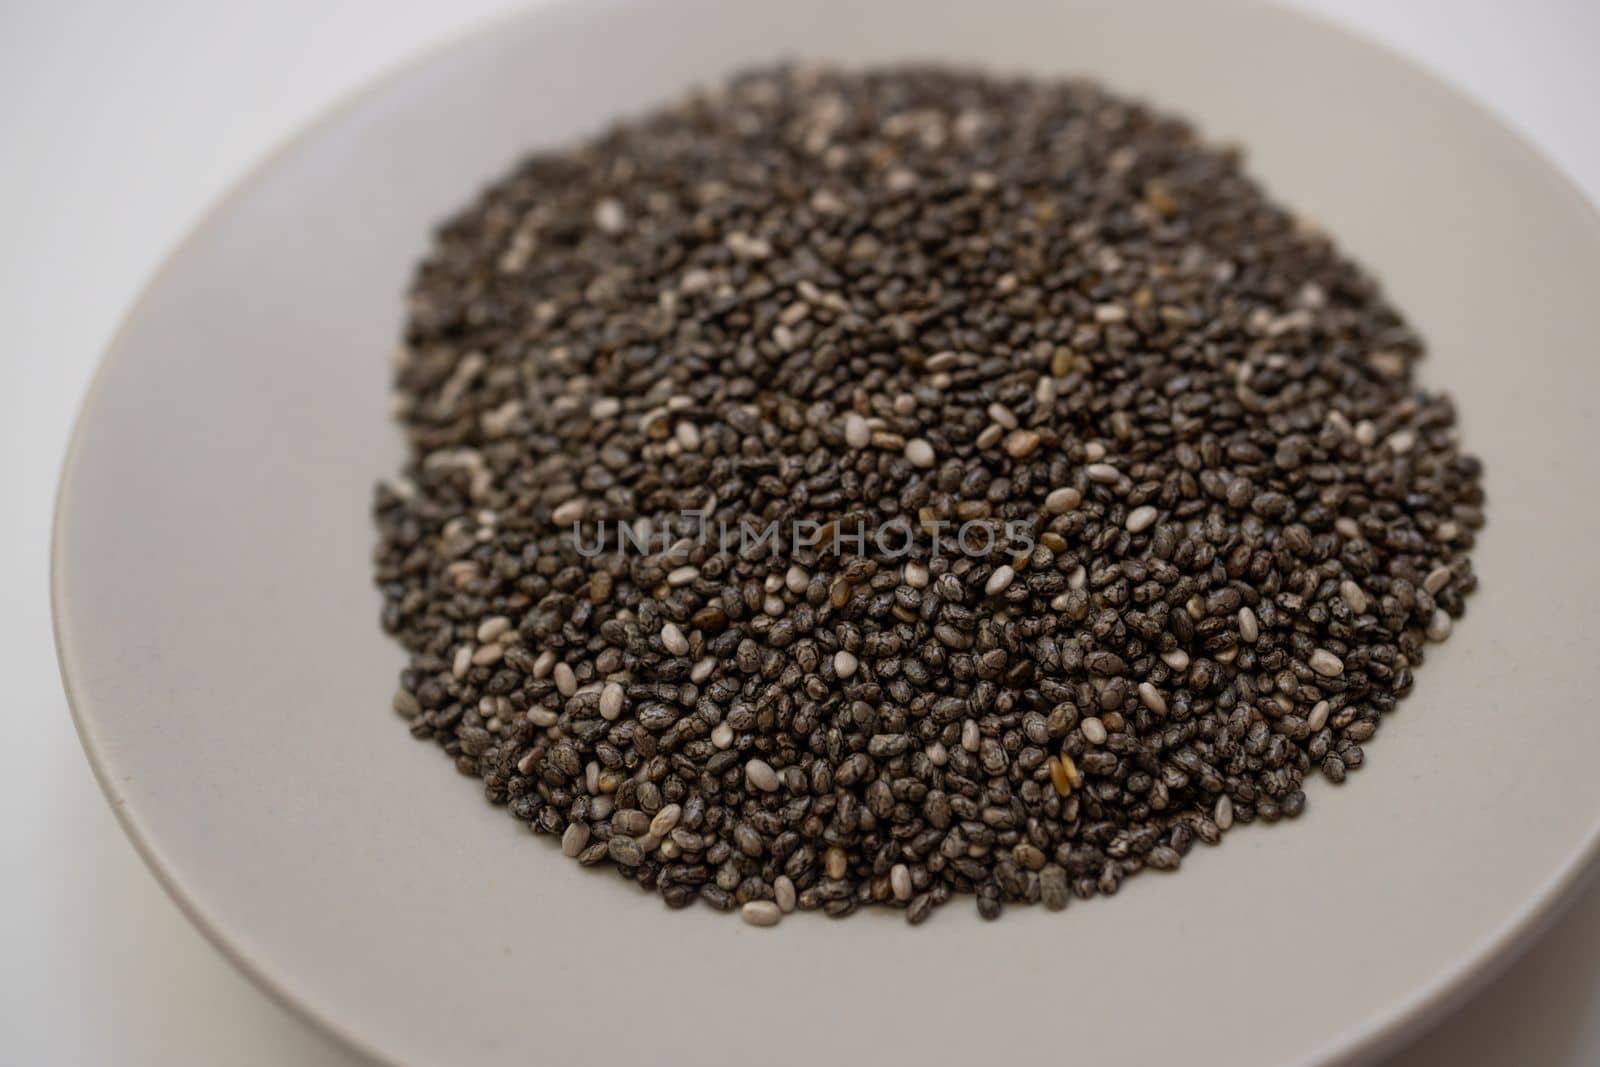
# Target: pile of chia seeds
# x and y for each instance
(1170, 525)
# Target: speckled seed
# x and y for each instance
(761, 913)
(611, 701)
(1141, 519)
(1000, 580)
(761, 775)
(731, 724)
(1060, 501)
(1326, 663)
(625, 851)
(1222, 814)
(1053, 890)
(673, 641)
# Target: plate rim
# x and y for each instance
(1473, 968)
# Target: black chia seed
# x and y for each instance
(947, 300)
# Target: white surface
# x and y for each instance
(119, 125)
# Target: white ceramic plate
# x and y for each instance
(219, 636)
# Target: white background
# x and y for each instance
(120, 122)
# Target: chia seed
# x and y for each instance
(937, 298)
